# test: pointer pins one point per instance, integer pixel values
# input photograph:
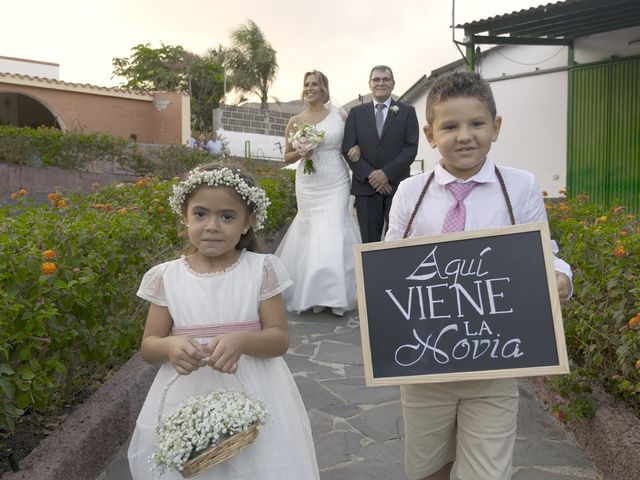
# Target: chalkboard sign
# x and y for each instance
(460, 306)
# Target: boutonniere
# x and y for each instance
(394, 109)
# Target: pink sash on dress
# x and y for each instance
(210, 330)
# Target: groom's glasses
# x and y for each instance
(381, 80)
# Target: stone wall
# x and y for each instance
(253, 120)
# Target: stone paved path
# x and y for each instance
(358, 431)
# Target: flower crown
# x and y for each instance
(255, 197)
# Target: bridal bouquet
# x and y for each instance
(202, 422)
(305, 138)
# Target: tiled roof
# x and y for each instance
(41, 82)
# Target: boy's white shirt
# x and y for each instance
(486, 207)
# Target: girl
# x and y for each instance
(218, 309)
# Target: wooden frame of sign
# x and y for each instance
(469, 305)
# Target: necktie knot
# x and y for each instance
(381, 106)
(461, 190)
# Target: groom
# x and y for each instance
(386, 133)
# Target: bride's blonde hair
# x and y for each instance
(323, 82)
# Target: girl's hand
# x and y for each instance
(225, 351)
(185, 354)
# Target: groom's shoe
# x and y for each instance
(338, 312)
(318, 309)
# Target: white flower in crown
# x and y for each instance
(255, 197)
(394, 109)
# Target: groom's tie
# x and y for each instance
(457, 214)
(380, 118)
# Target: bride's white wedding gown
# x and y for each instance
(317, 249)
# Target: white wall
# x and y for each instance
(605, 45)
(260, 145)
(534, 124)
(29, 67)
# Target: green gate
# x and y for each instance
(603, 145)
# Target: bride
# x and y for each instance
(317, 249)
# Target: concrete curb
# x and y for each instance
(89, 438)
(611, 439)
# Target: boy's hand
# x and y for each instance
(185, 354)
(563, 287)
(225, 351)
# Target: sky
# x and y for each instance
(342, 38)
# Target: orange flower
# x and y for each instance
(49, 254)
(582, 197)
(48, 268)
(623, 233)
(14, 196)
(141, 183)
(52, 197)
(160, 208)
(634, 321)
(95, 185)
(619, 251)
(62, 203)
(122, 211)
(22, 192)
(638, 364)
(618, 209)
(564, 207)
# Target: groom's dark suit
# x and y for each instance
(393, 153)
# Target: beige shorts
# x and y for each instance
(472, 423)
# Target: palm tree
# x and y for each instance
(252, 61)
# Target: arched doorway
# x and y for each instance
(22, 110)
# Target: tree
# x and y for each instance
(150, 69)
(174, 69)
(252, 61)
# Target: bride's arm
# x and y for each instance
(291, 155)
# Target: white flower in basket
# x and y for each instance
(206, 430)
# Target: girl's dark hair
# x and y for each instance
(323, 82)
(460, 84)
(248, 240)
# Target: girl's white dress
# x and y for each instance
(284, 448)
(317, 249)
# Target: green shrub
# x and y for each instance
(602, 320)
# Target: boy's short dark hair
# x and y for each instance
(460, 84)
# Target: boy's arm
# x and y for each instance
(535, 212)
(398, 215)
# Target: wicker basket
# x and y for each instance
(220, 452)
(217, 453)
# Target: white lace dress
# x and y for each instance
(317, 249)
(284, 448)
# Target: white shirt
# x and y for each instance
(385, 111)
(486, 206)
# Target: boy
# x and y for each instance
(464, 430)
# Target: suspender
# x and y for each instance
(426, 187)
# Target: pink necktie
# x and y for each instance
(457, 214)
